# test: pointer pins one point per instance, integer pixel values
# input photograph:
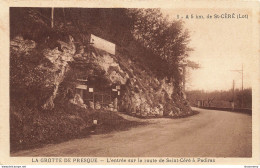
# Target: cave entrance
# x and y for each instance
(98, 93)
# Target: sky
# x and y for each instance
(220, 45)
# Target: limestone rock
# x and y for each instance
(19, 45)
(91, 105)
(117, 75)
(59, 60)
(77, 100)
(97, 105)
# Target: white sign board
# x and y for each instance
(85, 87)
(103, 44)
(90, 89)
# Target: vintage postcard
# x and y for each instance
(129, 82)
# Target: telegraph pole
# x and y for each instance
(233, 90)
(52, 17)
(233, 99)
(242, 88)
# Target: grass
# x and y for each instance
(60, 128)
(194, 112)
(108, 121)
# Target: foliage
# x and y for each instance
(27, 81)
(166, 39)
(69, 121)
(146, 33)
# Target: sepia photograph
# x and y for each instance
(138, 85)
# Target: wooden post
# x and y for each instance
(242, 73)
(81, 93)
(64, 17)
(233, 99)
(102, 100)
(94, 100)
(233, 90)
(52, 17)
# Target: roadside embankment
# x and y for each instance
(237, 110)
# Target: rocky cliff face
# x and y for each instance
(46, 65)
(142, 94)
(54, 63)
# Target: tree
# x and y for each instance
(162, 43)
(166, 39)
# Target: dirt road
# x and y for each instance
(210, 133)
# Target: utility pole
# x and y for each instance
(242, 88)
(64, 16)
(233, 90)
(233, 99)
(52, 17)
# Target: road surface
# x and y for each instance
(210, 133)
